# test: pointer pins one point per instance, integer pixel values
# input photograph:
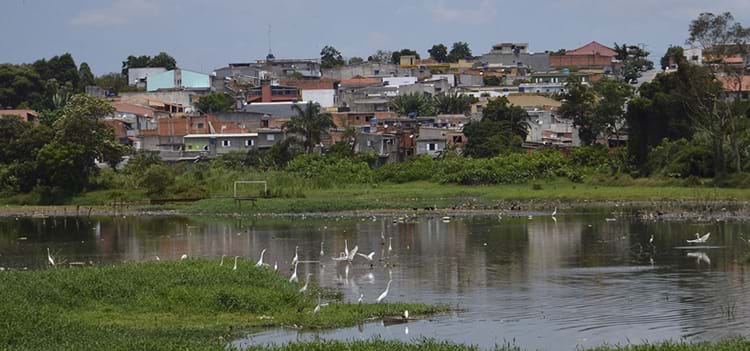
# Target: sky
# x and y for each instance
(204, 35)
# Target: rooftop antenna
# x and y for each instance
(270, 53)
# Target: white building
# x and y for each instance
(324, 97)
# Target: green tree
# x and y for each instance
(135, 62)
(453, 103)
(578, 104)
(635, 60)
(674, 54)
(216, 102)
(459, 51)
(503, 129)
(116, 82)
(439, 52)
(413, 104)
(721, 37)
(610, 109)
(330, 57)
(492, 81)
(396, 55)
(156, 180)
(19, 84)
(381, 56)
(356, 60)
(85, 76)
(163, 60)
(310, 123)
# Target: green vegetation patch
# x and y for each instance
(191, 304)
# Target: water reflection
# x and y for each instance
(545, 283)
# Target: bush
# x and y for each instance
(156, 180)
(681, 159)
(330, 171)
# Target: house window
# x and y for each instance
(249, 142)
(431, 146)
(226, 143)
(205, 147)
(270, 137)
(200, 125)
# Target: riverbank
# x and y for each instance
(431, 345)
(180, 305)
(649, 202)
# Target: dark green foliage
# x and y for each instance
(310, 124)
(396, 55)
(19, 85)
(635, 60)
(116, 82)
(161, 60)
(86, 76)
(579, 103)
(156, 180)
(459, 51)
(413, 104)
(675, 55)
(453, 103)
(330, 57)
(216, 102)
(356, 60)
(492, 80)
(331, 171)
(681, 159)
(503, 129)
(439, 52)
(381, 56)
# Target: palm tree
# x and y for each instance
(413, 104)
(309, 123)
(453, 103)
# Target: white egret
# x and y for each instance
(700, 257)
(260, 261)
(651, 240)
(346, 248)
(235, 263)
(361, 297)
(554, 213)
(406, 314)
(531, 217)
(222, 261)
(157, 258)
(321, 248)
(50, 259)
(385, 293)
(296, 255)
(352, 254)
(390, 244)
(699, 239)
(307, 281)
(183, 257)
(368, 257)
(382, 238)
(317, 308)
(275, 266)
(293, 278)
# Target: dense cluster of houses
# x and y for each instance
(162, 116)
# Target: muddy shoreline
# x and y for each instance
(667, 210)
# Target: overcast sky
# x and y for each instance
(204, 35)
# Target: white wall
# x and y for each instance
(399, 81)
(324, 97)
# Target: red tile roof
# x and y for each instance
(309, 84)
(139, 110)
(362, 81)
(733, 84)
(593, 48)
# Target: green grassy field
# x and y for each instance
(447, 196)
(184, 305)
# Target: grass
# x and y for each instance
(432, 345)
(192, 304)
(426, 194)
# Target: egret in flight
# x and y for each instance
(699, 239)
(368, 257)
(385, 293)
(260, 261)
(50, 259)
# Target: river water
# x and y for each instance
(580, 281)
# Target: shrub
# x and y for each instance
(156, 180)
